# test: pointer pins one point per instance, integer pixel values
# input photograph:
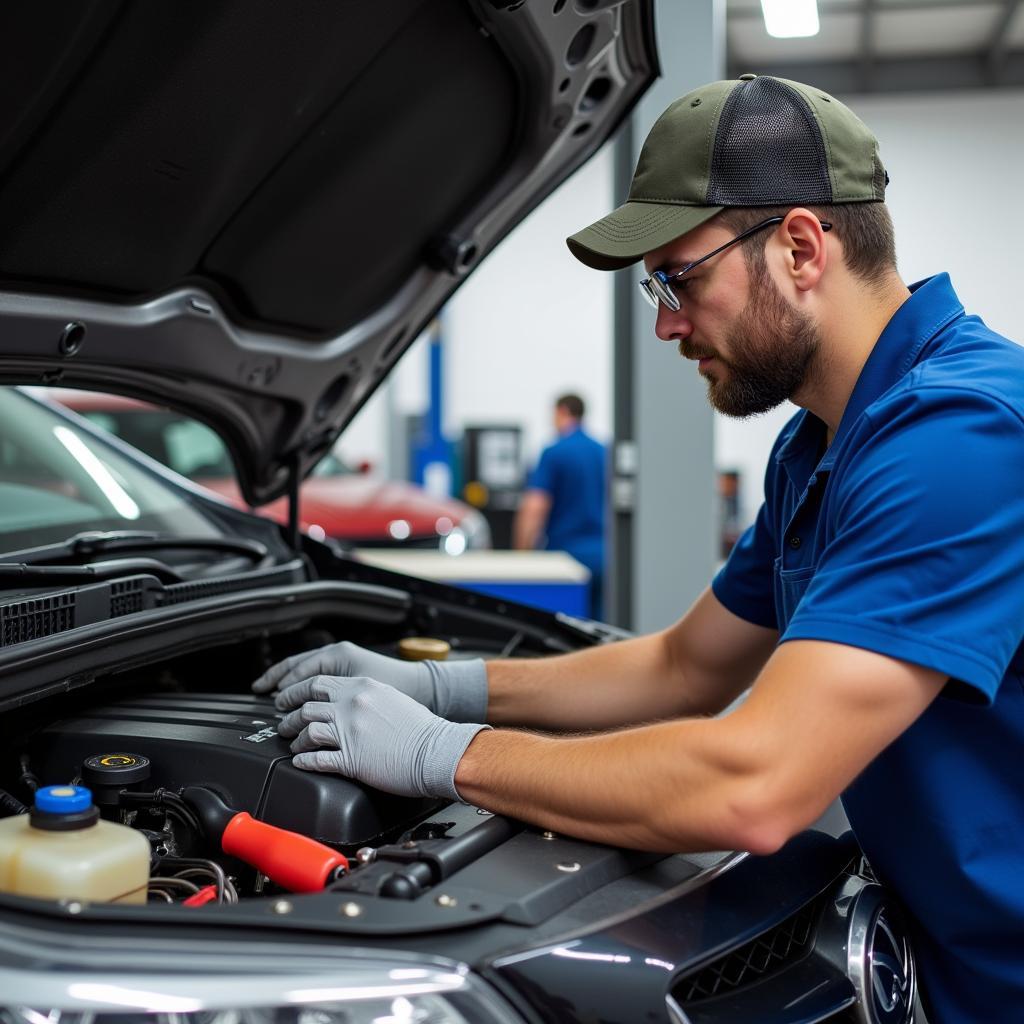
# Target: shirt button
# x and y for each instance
(794, 542)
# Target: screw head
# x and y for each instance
(350, 909)
(74, 907)
(568, 866)
(446, 901)
(549, 835)
(282, 907)
(481, 811)
(366, 855)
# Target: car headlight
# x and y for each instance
(472, 533)
(362, 994)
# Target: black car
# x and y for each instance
(246, 212)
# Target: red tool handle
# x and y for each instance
(293, 861)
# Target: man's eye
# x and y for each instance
(680, 284)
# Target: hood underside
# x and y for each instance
(248, 209)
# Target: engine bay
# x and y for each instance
(164, 732)
(181, 751)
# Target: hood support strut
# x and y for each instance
(294, 481)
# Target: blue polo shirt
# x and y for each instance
(572, 473)
(906, 537)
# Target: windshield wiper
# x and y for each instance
(86, 546)
(93, 572)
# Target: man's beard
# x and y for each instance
(772, 347)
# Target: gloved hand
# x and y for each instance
(367, 730)
(456, 690)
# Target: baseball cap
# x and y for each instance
(754, 141)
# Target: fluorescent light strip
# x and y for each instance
(791, 19)
(123, 503)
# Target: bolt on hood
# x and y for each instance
(248, 210)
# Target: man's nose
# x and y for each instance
(672, 325)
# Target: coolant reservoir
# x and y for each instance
(62, 850)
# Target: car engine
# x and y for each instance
(157, 761)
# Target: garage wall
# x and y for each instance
(532, 322)
(529, 324)
(955, 161)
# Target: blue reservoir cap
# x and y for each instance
(63, 799)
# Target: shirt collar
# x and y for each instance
(932, 305)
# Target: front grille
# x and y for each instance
(769, 953)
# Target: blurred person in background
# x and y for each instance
(562, 508)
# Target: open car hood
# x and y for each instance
(247, 210)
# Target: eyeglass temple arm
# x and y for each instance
(741, 237)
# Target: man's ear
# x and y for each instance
(804, 251)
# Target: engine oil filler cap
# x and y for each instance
(115, 769)
(423, 648)
(108, 774)
(63, 809)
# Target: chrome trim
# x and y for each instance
(880, 962)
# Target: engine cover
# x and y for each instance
(229, 742)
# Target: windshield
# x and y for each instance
(331, 465)
(56, 480)
(189, 447)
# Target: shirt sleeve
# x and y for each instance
(744, 584)
(543, 476)
(926, 557)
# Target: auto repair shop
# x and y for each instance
(392, 629)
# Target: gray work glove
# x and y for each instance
(367, 730)
(456, 690)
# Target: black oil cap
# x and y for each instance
(108, 774)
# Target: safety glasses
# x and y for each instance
(659, 286)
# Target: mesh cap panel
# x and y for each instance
(768, 149)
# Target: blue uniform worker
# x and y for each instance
(565, 496)
(907, 538)
(875, 610)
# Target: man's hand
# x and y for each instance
(456, 690)
(367, 730)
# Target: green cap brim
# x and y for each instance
(633, 229)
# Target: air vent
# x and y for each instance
(37, 617)
(768, 954)
(195, 590)
(126, 597)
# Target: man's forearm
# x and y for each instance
(604, 687)
(671, 787)
(526, 530)
(531, 518)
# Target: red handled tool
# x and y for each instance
(293, 861)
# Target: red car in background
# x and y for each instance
(335, 501)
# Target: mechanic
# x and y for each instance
(565, 497)
(875, 609)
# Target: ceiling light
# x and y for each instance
(788, 19)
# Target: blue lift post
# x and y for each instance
(432, 452)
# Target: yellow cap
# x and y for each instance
(423, 648)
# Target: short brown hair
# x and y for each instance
(572, 404)
(864, 230)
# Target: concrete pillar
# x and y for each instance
(663, 522)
